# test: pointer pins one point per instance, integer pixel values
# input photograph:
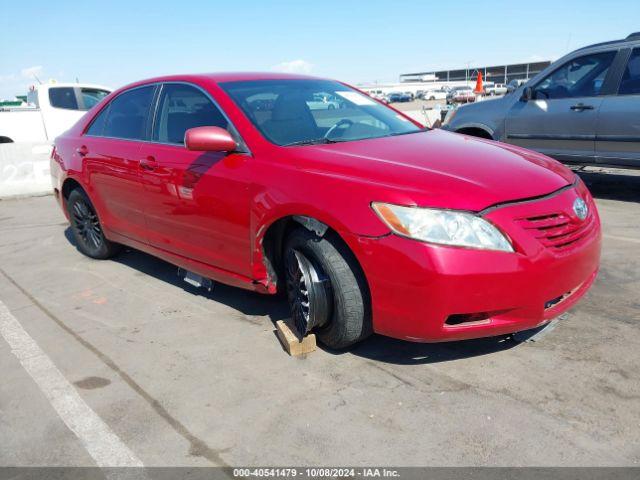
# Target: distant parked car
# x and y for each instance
(377, 94)
(324, 102)
(495, 89)
(394, 97)
(461, 94)
(436, 94)
(582, 109)
(515, 84)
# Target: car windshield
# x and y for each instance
(305, 112)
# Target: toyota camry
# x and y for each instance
(366, 220)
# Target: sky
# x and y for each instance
(116, 42)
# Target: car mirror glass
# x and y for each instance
(527, 94)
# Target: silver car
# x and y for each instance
(583, 109)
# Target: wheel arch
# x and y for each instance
(476, 130)
(268, 253)
(68, 185)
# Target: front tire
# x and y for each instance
(86, 227)
(326, 289)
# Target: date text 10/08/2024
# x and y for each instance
(315, 472)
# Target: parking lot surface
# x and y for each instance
(171, 375)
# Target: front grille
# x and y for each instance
(558, 231)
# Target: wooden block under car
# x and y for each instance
(287, 333)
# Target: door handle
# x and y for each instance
(82, 151)
(581, 106)
(148, 163)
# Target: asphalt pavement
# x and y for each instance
(120, 362)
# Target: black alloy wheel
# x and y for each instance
(326, 288)
(86, 227)
(308, 291)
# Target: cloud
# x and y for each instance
(294, 66)
(30, 72)
(18, 83)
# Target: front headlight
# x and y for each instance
(444, 227)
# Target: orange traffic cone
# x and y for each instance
(479, 88)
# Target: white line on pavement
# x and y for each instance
(99, 440)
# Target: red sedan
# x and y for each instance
(368, 221)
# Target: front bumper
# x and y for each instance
(429, 293)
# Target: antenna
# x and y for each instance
(36, 77)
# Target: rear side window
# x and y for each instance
(63, 97)
(97, 125)
(182, 107)
(580, 77)
(128, 114)
(630, 83)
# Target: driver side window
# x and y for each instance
(180, 108)
(580, 77)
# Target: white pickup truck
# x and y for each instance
(27, 133)
(51, 109)
(495, 89)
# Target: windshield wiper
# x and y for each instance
(313, 141)
(424, 129)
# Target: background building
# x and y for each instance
(496, 74)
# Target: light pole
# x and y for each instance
(466, 78)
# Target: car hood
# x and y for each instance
(499, 104)
(438, 169)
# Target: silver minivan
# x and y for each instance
(583, 109)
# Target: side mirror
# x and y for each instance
(527, 94)
(209, 139)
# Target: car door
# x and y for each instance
(196, 203)
(111, 151)
(618, 131)
(560, 117)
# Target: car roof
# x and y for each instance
(633, 38)
(72, 85)
(226, 77)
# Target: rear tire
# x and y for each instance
(87, 229)
(341, 288)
